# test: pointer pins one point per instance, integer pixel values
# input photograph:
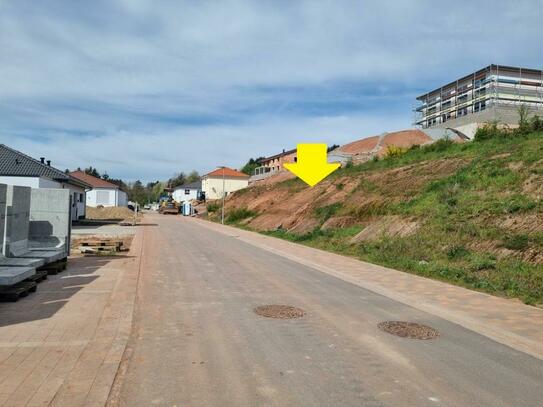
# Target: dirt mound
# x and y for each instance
(360, 146)
(109, 213)
(387, 226)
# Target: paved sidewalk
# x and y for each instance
(62, 345)
(506, 321)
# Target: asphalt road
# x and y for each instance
(197, 342)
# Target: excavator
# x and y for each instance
(168, 206)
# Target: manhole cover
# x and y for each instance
(279, 311)
(410, 330)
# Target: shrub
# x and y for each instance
(536, 123)
(456, 251)
(239, 214)
(490, 131)
(440, 145)
(516, 242)
(326, 212)
(523, 123)
(212, 207)
(394, 151)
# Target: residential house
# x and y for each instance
(101, 192)
(223, 181)
(17, 168)
(187, 192)
(272, 165)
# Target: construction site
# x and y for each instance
(278, 204)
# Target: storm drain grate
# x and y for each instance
(279, 311)
(410, 330)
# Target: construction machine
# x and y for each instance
(168, 206)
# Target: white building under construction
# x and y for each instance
(492, 94)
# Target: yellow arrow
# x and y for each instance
(312, 165)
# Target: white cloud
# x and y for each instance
(122, 80)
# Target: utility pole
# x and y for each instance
(223, 196)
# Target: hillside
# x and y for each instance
(470, 213)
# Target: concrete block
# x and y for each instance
(49, 243)
(50, 221)
(17, 210)
(13, 275)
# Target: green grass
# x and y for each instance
(456, 213)
(237, 215)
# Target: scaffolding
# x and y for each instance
(490, 87)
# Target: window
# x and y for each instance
(462, 112)
(102, 197)
(187, 191)
(478, 106)
(463, 98)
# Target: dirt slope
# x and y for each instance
(468, 213)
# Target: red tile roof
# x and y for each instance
(228, 172)
(93, 181)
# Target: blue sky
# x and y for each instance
(145, 89)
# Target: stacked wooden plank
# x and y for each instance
(101, 246)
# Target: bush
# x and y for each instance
(394, 151)
(326, 212)
(440, 145)
(212, 207)
(536, 123)
(457, 251)
(516, 242)
(490, 131)
(239, 214)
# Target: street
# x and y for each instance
(196, 340)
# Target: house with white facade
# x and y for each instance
(223, 181)
(187, 192)
(17, 168)
(100, 191)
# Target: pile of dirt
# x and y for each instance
(109, 213)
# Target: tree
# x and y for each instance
(178, 179)
(136, 192)
(92, 171)
(193, 176)
(250, 166)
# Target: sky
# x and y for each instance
(145, 89)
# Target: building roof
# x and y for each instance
(191, 185)
(273, 157)
(93, 181)
(228, 173)
(15, 163)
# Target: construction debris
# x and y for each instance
(101, 246)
